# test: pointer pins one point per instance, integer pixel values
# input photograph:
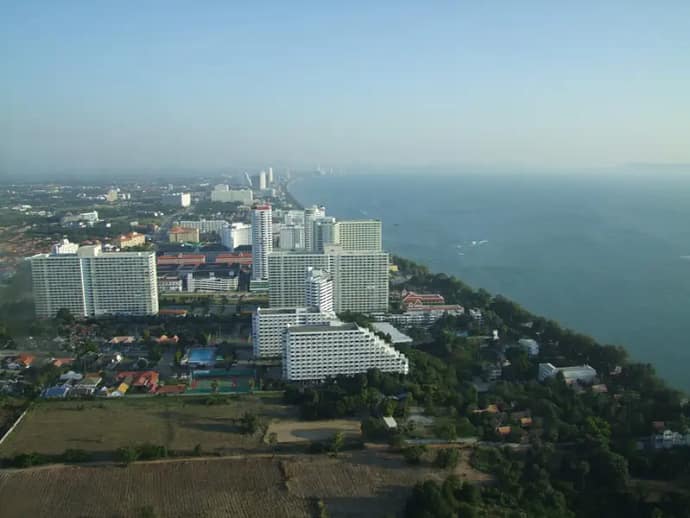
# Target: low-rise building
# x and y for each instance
(183, 235)
(317, 352)
(420, 316)
(130, 240)
(169, 283)
(579, 373)
(224, 194)
(530, 345)
(211, 283)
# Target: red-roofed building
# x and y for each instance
(26, 359)
(171, 389)
(142, 380)
(181, 259)
(422, 299)
(244, 258)
(165, 339)
(129, 240)
(59, 362)
(173, 312)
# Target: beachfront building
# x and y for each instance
(291, 237)
(269, 324)
(360, 278)
(350, 234)
(90, 282)
(224, 194)
(236, 234)
(262, 240)
(311, 214)
(316, 352)
(319, 290)
(421, 316)
(579, 373)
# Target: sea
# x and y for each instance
(604, 254)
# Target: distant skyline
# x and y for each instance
(90, 86)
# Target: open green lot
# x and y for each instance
(179, 423)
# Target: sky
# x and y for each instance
(204, 85)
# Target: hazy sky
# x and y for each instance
(206, 84)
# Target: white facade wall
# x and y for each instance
(211, 283)
(236, 234)
(262, 241)
(291, 237)
(319, 290)
(360, 279)
(92, 283)
(311, 214)
(223, 194)
(318, 352)
(269, 324)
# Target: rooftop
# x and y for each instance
(324, 328)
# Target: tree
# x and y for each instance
(64, 316)
(250, 423)
(447, 458)
(273, 442)
(337, 443)
(214, 386)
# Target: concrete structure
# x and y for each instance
(311, 214)
(262, 180)
(580, 373)
(421, 316)
(223, 194)
(211, 283)
(88, 218)
(130, 240)
(530, 345)
(360, 279)
(323, 233)
(169, 283)
(270, 175)
(316, 352)
(262, 240)
(205, 226)
(64, 247)
(319, 290)
(269, 324)
(396, 336)
(92, 283)
(183, 235)
(292, 217)
(291, 237)
(236, 234)
(350, 235)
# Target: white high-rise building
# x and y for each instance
(269, 324)
(323, 233)
(316, 352)
(291, 237)
(350, 235)
(270, 175)
(223, 194)
(92, 283)
(360, 278)
(236, 234)
(311, 214)
(262, 240)
(262, 180)
(319, 290)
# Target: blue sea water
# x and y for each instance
(606, 255)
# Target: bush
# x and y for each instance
(127, 455)
(149, 451)
(413, 454)
(447, 458)
(75, 455)
(26, 460)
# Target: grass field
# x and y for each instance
(357, 484)
(179, 423)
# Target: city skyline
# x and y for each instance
(131, 87)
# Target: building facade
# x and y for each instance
(205, 226)
(262, 240)
(317, 352)
(92, 283)
(351, 235)
(183, 235)
(311, 214)
(291, 237)
(236, 234)
(360, 278)
(319, 290)
(130, 240)
(269, 324)
(223, 194)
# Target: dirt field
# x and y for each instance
(360, 484)
(179, 423)
(293, 431)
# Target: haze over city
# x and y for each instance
(126, 85)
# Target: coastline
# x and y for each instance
(454, 278)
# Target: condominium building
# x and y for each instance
(211, 283)
(236, 234)
(223, 194)
(93, 283)
(262, 240)
(64, 247)
(262, 180)
(88, 218)
(350, 235)
(316, 352)
(360, 278)
(183, 235)
(291, 237)
(269, 324)
(178, 199)
(319, 290)
(421, 316)
(311, 214)
(205, 226)
(577, 373)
